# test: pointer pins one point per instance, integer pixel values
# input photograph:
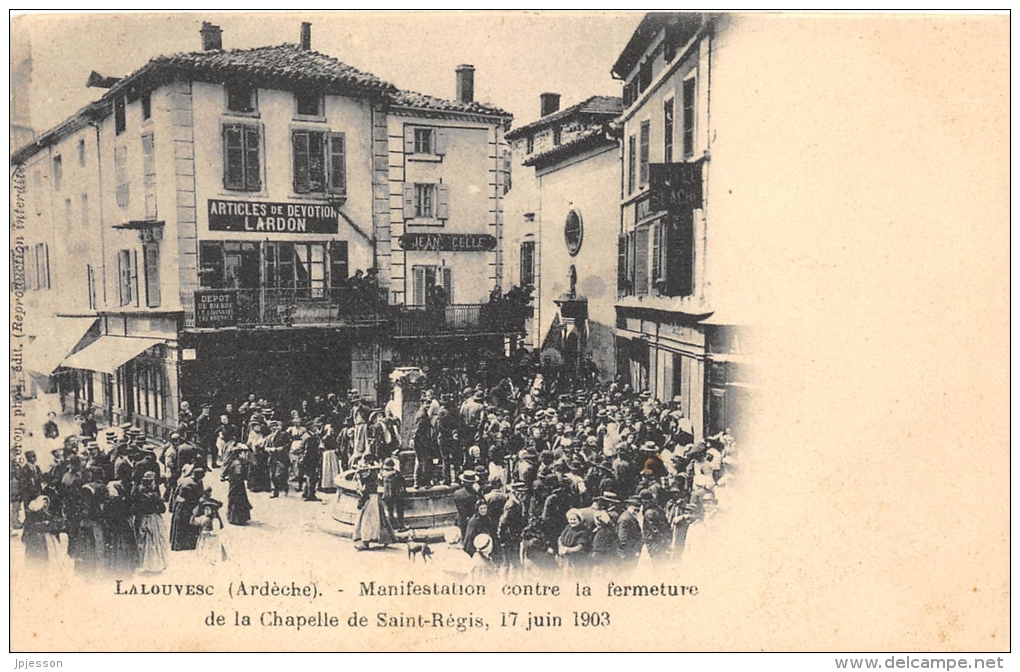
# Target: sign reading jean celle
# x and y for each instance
(259, 217)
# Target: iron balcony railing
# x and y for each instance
(247, 308)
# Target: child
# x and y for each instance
(207, 514)
(394, 492)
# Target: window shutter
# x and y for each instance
(418, 286)
(337, 163)
(408, 200)
(134, 275)
(408, 139)
(448, 284)
(656, 252)
(253, 169)
(621, 264)
(440, 141)
(443, 208)
(233, 158)
(641, 261)
(152, 294)
(302, 173)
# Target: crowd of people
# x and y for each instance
(582, 476)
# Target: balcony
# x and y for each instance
(246, 308)
(456, 319)
(290, 308)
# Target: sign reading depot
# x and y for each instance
(258, 217)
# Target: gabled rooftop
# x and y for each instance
(607, 107)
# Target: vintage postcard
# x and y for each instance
(509, 331)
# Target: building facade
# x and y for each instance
(264, 220)
(675, 335)
(563, 208)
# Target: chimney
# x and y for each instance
(306, 36)
(212, 37)
(465, 83)
(550, 103)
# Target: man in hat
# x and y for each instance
(30, 479)
(656, 531)
(171, 464)
(310, 463)
(464, 499)
(204, 436)
(394, 492)
(186, 416)
(424, 446)
(472, 411)
(184, 535)
(278, 446)
(554, 511)
(446, 429)
(510, 528)
(628, 531)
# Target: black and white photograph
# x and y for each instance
(532, 331)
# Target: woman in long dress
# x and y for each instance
(260, 460)
(40, 542)
(236, 469)
(121, 543)
(373, 525)
(149, 508)
(184, 535)
(574, 544)
(330, 461)
(204, 519)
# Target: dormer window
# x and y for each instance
(557, 135)
(531, 144)
(241, 98)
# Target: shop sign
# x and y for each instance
(675, 186)
(259, 217)
(215, 308)
(447, 242)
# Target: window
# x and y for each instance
(81, 152)
(646, 132)
(320, 162)
(573, 232)
(689, 102)
(90, 273)
(508, 169)
(126, 277)
(242, 170)
(557, 135)
(40, 279)
(531, 144)
(280, 265)
(120, 168)
(308, 103)
(424, 141)
(310, 269)
(149, 172)
(631, 164)
(424, 199)
(644, 76)
(667, 131)
(429, 283)
(657, 249)
(241, 98)
(150, 254)
(149, 389)
(211, 265)
(622, 286)
(58, 171)
(67, 213)
(229, 265)
(629, 92)
(527, 263)
(84, 210)
(119, 116)
(678, 254)
(146, 105)
(641, 260)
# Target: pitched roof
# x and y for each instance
(603, 106)
(422, 101)
(279, 66)
(683, 24)
(589, 139)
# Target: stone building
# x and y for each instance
(266, 220)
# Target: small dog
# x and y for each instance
(414, 547)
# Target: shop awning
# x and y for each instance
(44, 354)
(109, 353)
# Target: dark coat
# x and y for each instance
(464, 499)
(629, 532)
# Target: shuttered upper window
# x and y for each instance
(424, 201)
(320, 162)
(424, 142)
(242, 169)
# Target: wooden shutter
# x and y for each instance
(418, 286)
(302, 171)
(443, 201)
(152, 295)
(408, 200)
(134, 276)
(337, 164)
(408, 139)
(440, 141)
(448, 284)
(621, 264)
(680, 255)
(252, 165)
(656, 252)
(641, 261)
(233, 158)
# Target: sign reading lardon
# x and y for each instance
(261, 217)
